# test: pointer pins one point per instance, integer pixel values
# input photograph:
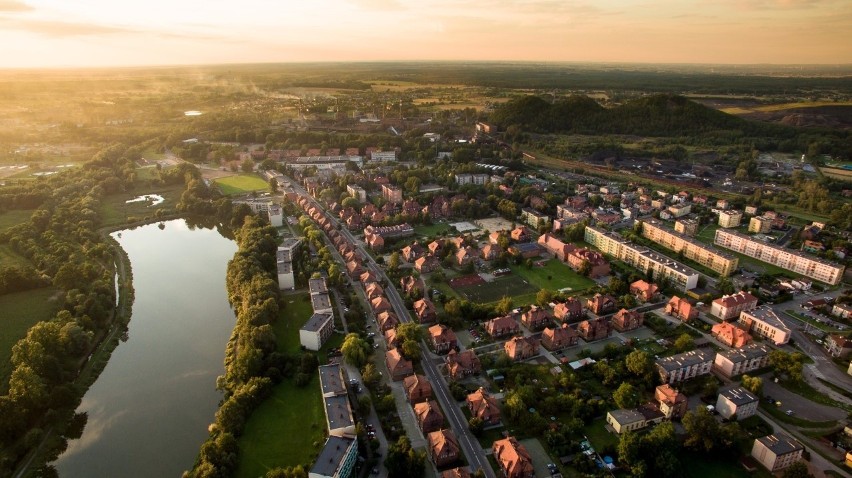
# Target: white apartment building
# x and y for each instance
(721, 262)
(729, 306)
(736, 401)
(764, 322)
(730, 218)
(680, 367)
(733, 362)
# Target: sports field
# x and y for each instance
(241, 184)
(511, 285)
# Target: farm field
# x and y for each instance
(241, 184)
(21, 310)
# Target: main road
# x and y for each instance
(470, 446)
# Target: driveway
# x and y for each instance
(801, 406)
(539, 457)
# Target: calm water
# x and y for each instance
(149, 409)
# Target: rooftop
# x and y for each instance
(338, 413)
(331, 379)
(331, 456)
(659, 224)
(750, 351)
(739, 396)
(624, 416)
(767, 316)
(779, 248)
(317, 285)
(686, 359)
(780, 444)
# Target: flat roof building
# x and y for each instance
(731, 363)
(721, 262)
(680, 367)
(316, 331)
(337, 458)
(777, 451)
(736, 401)
(764, 322)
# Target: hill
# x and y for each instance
(655, 115)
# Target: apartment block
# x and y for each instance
(680, 367)
(759, 225)
(392, 194)
(535, 218)
(729, 306)
(777, 452)
(794, 261)
(687, 227)
(337, 458)
(357, 192)
(721, 262)
(284, 263)
(642, 258)
(730, 218)
(764, 322)
(736, 401)
(731, 363)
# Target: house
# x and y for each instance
(730, 306)
(601, 304)
(569, 311)
(777, 451)
(443, 447)
(465, 256)
(681, 309)
(625, 320)
(484, 406)
(502, 326)
(435, 246)
(413, 286)
(843, 311)
(413, 252)
(443, 338)
(520, 234)
(838, 346)
(462, 364)
(513, 458)
(490, 252)
(671, 402)
(398, 366)
(417, 388)
(425, 311)
(428, 415)
(580, 258)
(622, 420)
(387, 320)
(730, 335)
(391, 339)
(558, 338)
(535, 318)
(731, 363)
(460, 472)
(596, 329)
(683, 366)
(373, 290)
(380, 304)
(496, 237)
(426, 265)
(736, 401)
(521, 348)
(527, 250)
(644, 291)
(764, 322)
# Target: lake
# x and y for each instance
(150, 408)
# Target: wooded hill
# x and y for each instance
(655, 115)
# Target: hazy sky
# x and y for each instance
(56, 33)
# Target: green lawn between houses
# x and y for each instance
(288, 428)
(21, 310)
(241, 183)
(553, 275)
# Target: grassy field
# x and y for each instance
(241, 184)
(115, 210)
(287, 429)
(432, 229)
(554, 275)
(599, 437)
(495, 290)
(15, 217)
(21, 311)
(10, 257)
(696, 465)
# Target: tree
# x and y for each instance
(628, 301)
(797, 470)
(476, 425)
(585, 268)
(403, 461)
(753, 384)
(684, 343)
(625, 396)
(369, 374)
(702, 430)
(639, 363)
(789, 364)
(629, 447)
(725, 286)
(504, 306)
(355, 350)
(544, 297)
(393, 262)
(247, 166)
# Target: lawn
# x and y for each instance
(10, 257)
(432, 230)
(554, 275)
(511, 285)
(21, 310)
(14, 217)
(115, 210)
(241, 184)
(697, 465)
(288, 428)
(598, 436)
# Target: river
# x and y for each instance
(149, 409)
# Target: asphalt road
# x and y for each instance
(470, 446)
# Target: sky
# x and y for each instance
(72, 33)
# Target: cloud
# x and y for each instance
(60, 29)
(14, 6)
(377, 4)
(779, 4)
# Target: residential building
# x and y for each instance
(751, 210)
(392, 194)
(425, 311)
(730, 218)
(337, 458)
(443, 447)
(731, 363)
(535, 318)
(483, 406)
(647, 261)
(320, 300)
(558, 338)
(284, 262)
(527, 250)
(373, 290)
(460, 472)
(794, 261)
(838, 346)
(843, 311)
(683, 366)
(730, 306)
(338, 415)
(477, 179)
(381, 304)
(490, 252)
(679, 210)
(671, 402)
(601, 304)
(462, 364)
(569, 311)
(275, 215)
(597, 329)
(316, 331)
(759, 225)
(391, 338)
(681, 309)
(413, 286)
(398, 366)
(721, 262)
(625, 320)
(465, 255)
(687, 227)
(443, 338)
(579, 258)
(644, 291)
(730, 335)
(417, 388)
(777, 451)
(737, 401)
(390, 232)
(502, 326)
(520, 234)
(413, 252)
(764, 322)
(534, 218)
(357, 192)
(428, 415)
(383, 156)
(513, 458)
(623, 420)
(426, 265)
(387, 320)
(521, 348)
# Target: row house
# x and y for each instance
(558, 338)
